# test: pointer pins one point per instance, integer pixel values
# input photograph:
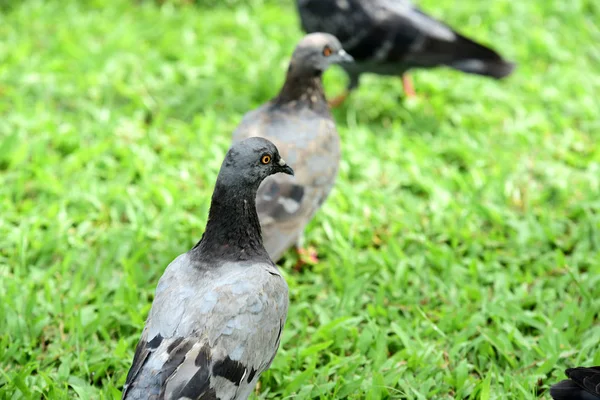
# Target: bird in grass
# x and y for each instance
(390, 37)
(300, 124)
(219, 309)
(583, 384)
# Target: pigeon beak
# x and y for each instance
(283, 167)
(344, 57)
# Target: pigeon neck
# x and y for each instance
(233, 229)
(301, 85)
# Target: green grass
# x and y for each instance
(460, 249)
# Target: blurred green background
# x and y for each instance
(459, 249)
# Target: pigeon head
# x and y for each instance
(317, 51)
(249, 162)
(233, 229)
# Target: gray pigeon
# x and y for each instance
(300, 124)
(583, 384)
(389, 37)
(219, 309)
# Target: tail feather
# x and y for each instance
(584, 384)
(474, 58)
(569, 390)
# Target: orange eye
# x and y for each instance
(265, 159)
(327, 51)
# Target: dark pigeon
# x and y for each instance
(583, 384)
(390, 37)
(300, 124)
(219, 309)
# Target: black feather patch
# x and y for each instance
(297, 193)
(209, 395)
(587, 378)
(279, 333)
(368, 46)
(203, 358)
(175, 343)
(198, 387)
(142, 351)
(177, 352)
(569, 390)
(583, 385)
(321, 8)
(155, 342)
(231, 370)
(251, 375)
(139, 359)
(402, 40)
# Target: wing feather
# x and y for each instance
(226, 333)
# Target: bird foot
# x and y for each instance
(257, 388)
(409, 89)
(306, 257)
(338, 100)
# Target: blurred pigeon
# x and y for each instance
(300, 124)
(219, 309)
(389, 37)
(583, 384)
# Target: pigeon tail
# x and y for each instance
(584, 384)
(474, 58)
(569, 390)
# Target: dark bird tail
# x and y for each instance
(474, 58)
(584, 384)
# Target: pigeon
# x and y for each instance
(389, 37)
(219, 309)
(299, 122)
(583, 384)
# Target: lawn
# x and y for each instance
(459, 251)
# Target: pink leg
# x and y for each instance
(306, 256)
(409, 90)
(337, 101)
